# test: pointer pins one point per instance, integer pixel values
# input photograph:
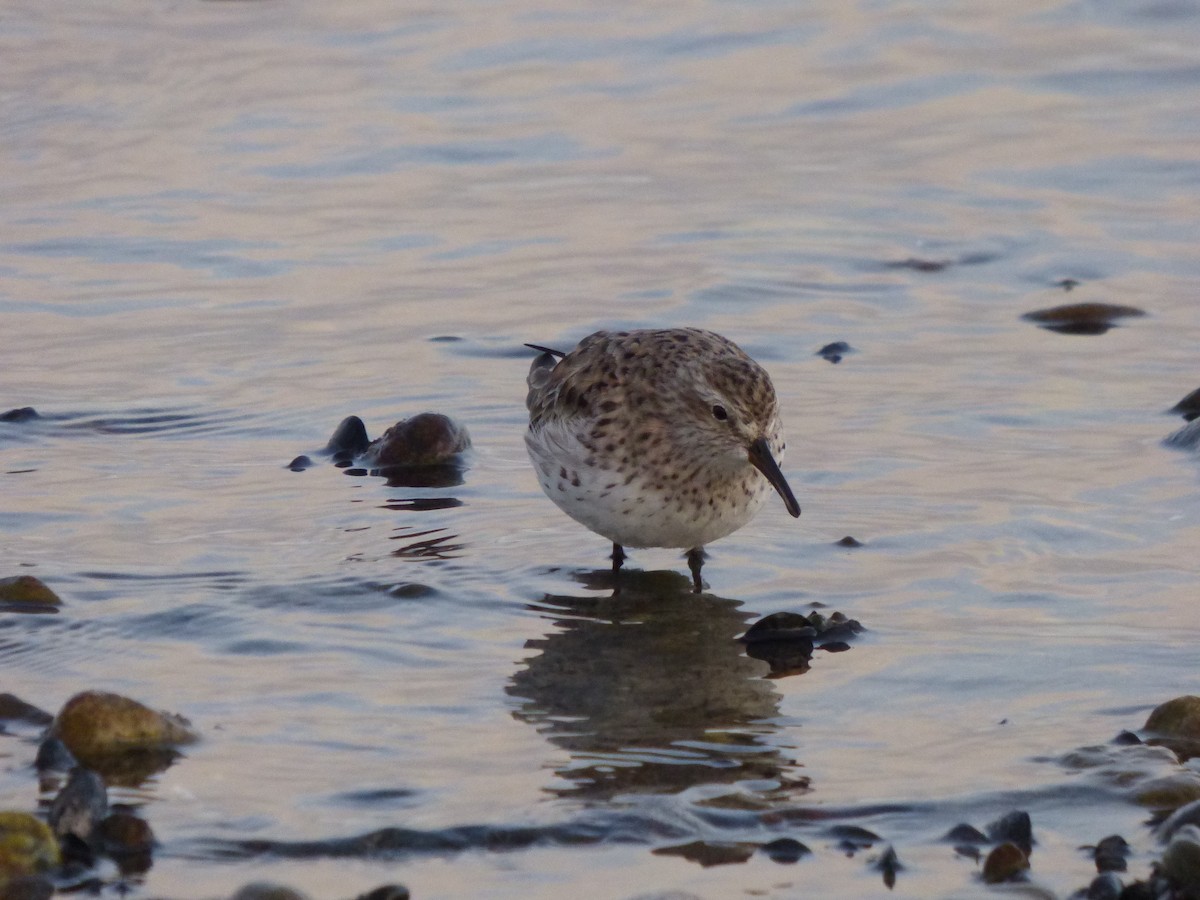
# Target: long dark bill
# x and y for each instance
(761, 459)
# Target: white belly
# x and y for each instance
(643, 509)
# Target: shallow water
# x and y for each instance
(228, 225)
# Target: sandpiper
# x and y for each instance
(656, 438)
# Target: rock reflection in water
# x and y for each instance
(649, 691)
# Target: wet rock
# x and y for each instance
(299, 464)
(1126, 739)
(128, 839)
(386, 892)
(852, 838)
(849, 541)
(428, 439)
(1067, 284)
(80, 806)
(1181, 861)
(266, 890)
(27, 846)
(1176, 724)
(1182, 817)
(786, 640)
(26, 591)
(1105, 886)
(14, 709)
(835, 351)
(349, 439)
(1169, 792)
(889, 864)
(1082, 318)
(1188, 407)
(1014, 827)
(1110, 854)
(1006, 862)
(28, 887)
(21, 414)
(119, 737)
(710, 853)
(53, 756)
(965, 834)
(785, 850)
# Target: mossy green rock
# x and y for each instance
(97, 726)
(27, 846)
(26, 589)
(1169, 792)
(1176, 724)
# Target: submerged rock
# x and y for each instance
(26, 590)
(1006, 862)
(267, 890)
(349, 439)
(835, 351)
(80, 806)
(27, 846)
(21, 414)
(1176, 724)
(1082, 318)
(118, 736)
(428, 439)
(1181, 861)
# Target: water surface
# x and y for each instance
(228, 225)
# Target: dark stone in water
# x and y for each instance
(53, 756)
(1126, 739)
(849, 541)
(1188, 814)
(1110, 854)
(28, 887)
(1082, 318)
(710, 853)
(427, 439)
(79, 806)
(1105, 886)
(350, 437)
(835, 351)
(780, 626)
(1188, 407)
(13, 708)
(965, 834)
(386, 892)
(852, 838)
(1007, 862)
(1015, 827)
(299, 464)
(889, 864)
(128, 840)
(1066, 284)
(22, 414)
(785, 850)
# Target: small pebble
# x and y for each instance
(785, 850)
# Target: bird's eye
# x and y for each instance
(719, 413)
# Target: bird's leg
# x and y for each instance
(695, 558)
(618, 557)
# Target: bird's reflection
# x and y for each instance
(648, 690)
